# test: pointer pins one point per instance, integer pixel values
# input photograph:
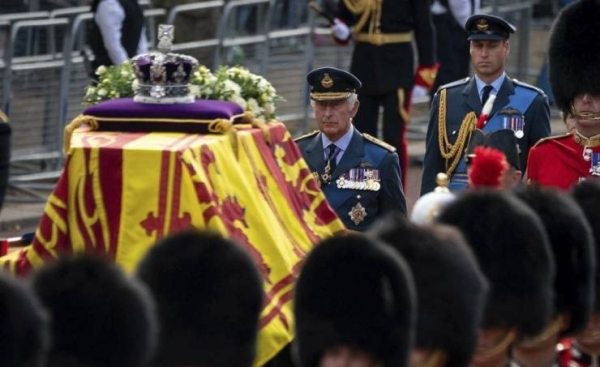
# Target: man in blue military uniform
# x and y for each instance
(359, 174)
(457, 107)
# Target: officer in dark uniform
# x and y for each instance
(562, 161)
(383, 59)
(519, 268)
(573, 249)
(354, 305)
(457, 107)
(451, 289)
(359, 174)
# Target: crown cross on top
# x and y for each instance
(165, 38)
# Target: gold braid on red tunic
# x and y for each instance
(453, 152)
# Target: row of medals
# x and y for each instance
(355, 179)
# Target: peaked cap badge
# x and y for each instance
(482, 25)
(327, 82)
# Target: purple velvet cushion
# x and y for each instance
(194, 118)
(199, 110)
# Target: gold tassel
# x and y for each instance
(76, 123)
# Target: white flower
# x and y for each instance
(194, 90)
(135, 85)
(230, 85)
(269, 108)
(253, 106)
(101, 70)
(90, 91)
(125, 73)
(102, 92)
(239, 100)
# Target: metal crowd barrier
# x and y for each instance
(43, 91)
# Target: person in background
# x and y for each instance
(209, 297)
(117, 33)
(503, 141)
(359, 174)
(449, 18)
(383, 32)
(99, 316)
(354, 305)
(451, 289)
(24, 333)
(572, 244)
(564, 160)
(458, 107)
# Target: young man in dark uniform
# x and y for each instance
(457, 107)
(359, 174)
(383, 59)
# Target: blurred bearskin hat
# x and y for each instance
(358, 292)
(587, 195)
(511, 246)
(209, 296)
(24, 337)
(573, 55)
(99, 315)
(572, 247)
(451, 288)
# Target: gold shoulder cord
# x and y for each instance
(453, 151)
(364, 8)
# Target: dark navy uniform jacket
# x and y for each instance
(462, 97)
(364, 155)
(385, 68)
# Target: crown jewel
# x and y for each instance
(163, 77)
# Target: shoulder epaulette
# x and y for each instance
(312, 133)
(525, 85)
(455, 83)
(554, 137)
(381, 143)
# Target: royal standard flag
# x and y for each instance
(121, 192)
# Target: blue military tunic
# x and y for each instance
(514, 101)
(364, 184)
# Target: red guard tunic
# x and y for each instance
(570, 356)
(560, 161)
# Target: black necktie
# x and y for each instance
(331, 153)
(486, 94)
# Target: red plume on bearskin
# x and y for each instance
(487, 167)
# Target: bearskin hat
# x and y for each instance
(99, 315)
(587, 195)
(209, 296)
(354, 291)
(511, 246)
(451, 288)
(573, 56)
(24, 331)
(572, 247)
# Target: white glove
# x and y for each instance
(419, 92)
(340, 30)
